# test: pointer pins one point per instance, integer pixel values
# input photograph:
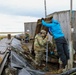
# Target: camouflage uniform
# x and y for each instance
(39, 48)
(27, 37)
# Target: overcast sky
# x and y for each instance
(13, 13)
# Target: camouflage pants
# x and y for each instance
(38, 57)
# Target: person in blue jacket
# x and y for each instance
(61, 43)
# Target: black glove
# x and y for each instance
(51, 17)
(42, 19)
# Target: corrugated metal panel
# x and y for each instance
(64, 18)
(74, 18)
(31, 26)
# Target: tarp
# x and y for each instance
(17, 61)
(70, 72)
(16, 44)
(25, 68)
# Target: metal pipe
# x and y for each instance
(71, 13)
(47, 42)
(45, 8)
(71, 40)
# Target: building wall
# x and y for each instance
(31, 26)
(64, 18)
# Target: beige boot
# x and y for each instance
(69, 65)
(60, 71)
(65, 69)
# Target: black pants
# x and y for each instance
(62, 49)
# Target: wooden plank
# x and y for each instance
(9, 32)
(39, 27)
(3, 47)
(3, 62)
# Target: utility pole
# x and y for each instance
(71, 40)
(45, 8)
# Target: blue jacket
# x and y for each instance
(54, 28)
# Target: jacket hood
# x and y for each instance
(55, 21)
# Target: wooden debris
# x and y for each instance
(51, 73)
(11, 71)
(1, 59)
(38, 29)
(25, 48)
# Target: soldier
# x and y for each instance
(27, 37)
(40, 46)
